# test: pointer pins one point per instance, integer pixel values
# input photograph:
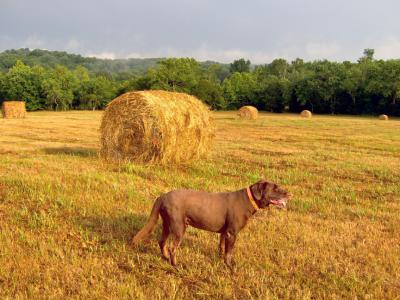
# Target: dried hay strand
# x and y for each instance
(306, 114)
(383, 117)
(156, 126)
(248, 112)
(13, 109)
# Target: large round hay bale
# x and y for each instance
(248, 112)
(306, 114)
(383, 117)
(156, 126)
(13, 109)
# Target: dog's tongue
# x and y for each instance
(281, 203)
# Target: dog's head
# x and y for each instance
(268, 193)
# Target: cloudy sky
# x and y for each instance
(221, 30)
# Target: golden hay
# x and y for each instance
(306, 114)
(248, 112)
(383, 117)
(156, 126)
(13, 109)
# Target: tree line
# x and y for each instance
(368, 86)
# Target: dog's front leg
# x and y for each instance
(230, 239)
(222, 244)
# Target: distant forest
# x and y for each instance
(54, 80)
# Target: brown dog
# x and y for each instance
(225, 213)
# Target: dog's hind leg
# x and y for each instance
(222, 244)
(177, 231)
(163, 240)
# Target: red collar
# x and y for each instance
(251, 199)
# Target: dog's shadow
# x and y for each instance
(120, 230)
(113, 228)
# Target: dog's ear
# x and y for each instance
(259, 189)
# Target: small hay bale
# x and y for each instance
(248, 112)
(383, 117)
(306, 114)
(156, 126)
(13, 109)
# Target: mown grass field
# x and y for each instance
(66, 217)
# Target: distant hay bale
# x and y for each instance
(156, 126)
(248, 112)
(383, 117)
(306, 114)
(13, 109)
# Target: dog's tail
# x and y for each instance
(151, 223)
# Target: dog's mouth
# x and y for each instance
(280, 202)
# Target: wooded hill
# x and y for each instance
(49, 59)
(120, 68)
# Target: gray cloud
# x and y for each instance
(220, 30)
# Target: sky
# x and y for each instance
(219, 30)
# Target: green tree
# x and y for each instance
(320, 86)
(81, 86)
(239, 89)
(211, 93)
(134, 84)
(333, 79)
(58, 87)
(212, 73)
(217, 72)
(100, 92)
(175, 74)
(273, 93)
(2, 86)
(369, 54)
(279, 68)
(240, 66)
(18, 83)
(382, 83)
(38, 76)
(352, 81)
(22, 82)
(390, 76)
(297, 65)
